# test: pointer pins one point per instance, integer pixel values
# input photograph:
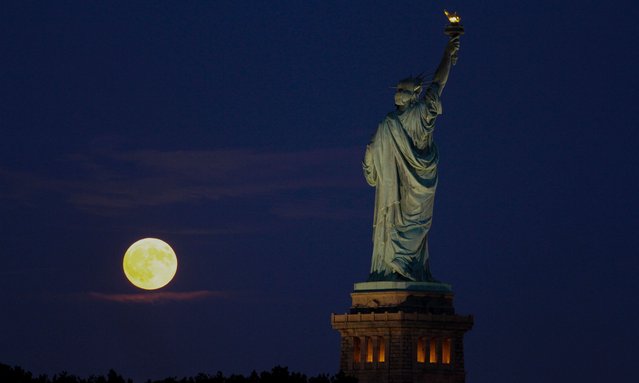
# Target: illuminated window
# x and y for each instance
(446, 344)
(357, 350)
(381, 350)
(369, 350)
(421, 350)
(432, 358)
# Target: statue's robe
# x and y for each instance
(401, 163)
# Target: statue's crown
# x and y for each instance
(416, 82)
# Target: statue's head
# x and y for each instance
(408, 90)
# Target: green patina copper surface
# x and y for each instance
(401, 163)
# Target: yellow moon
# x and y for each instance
(150, 263)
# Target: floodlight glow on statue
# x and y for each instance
(401, 163)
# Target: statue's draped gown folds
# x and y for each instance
(401, 163)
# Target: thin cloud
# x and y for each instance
(319, 210)
(246, 229)
(109, 182)
(157, 296)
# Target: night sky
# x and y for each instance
(235, 130)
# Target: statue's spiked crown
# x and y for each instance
(412, 82)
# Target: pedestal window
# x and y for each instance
(446, 350)
(432, 351)
(369, 349)
(421, 349)
(357, 350)
(381, 350)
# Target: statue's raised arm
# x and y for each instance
(441, 74)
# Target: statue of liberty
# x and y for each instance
(401, 163)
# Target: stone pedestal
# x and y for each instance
(402, 332)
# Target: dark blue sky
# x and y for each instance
(235, 130)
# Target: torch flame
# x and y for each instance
(453, 17)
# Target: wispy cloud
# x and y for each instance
(322, 209)
(157, 296)
(118, 180)
(244, 229)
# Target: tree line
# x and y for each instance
(277, 374)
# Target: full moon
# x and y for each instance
(150, 263)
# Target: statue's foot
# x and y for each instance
(428, 277)
(433, 280)
(397, 267)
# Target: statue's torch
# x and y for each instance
(453, 29)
